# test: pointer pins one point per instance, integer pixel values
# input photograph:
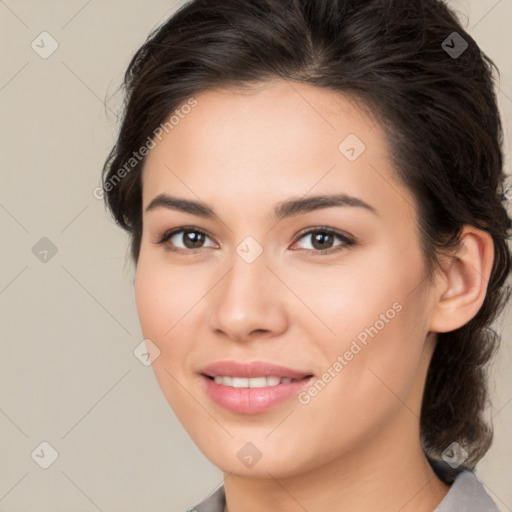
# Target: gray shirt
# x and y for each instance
(466, 494)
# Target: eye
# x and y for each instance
(322, 240)
(184, 239)
(191, 239)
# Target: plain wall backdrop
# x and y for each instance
(68, 324)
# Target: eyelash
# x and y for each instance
(347, 241)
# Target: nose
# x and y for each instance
(248, 302)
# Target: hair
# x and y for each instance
(439, 115)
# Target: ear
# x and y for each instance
(461, 286)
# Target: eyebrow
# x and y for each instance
(283, 209)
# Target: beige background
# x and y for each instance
(68, 375)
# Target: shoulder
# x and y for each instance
(214, 502)
(466, 494)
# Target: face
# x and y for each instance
(261, 271)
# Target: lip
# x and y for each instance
(252, 400)
(252, 369)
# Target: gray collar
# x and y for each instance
(466, 494)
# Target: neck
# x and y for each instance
(391, 473)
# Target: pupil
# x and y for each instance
(319, 240)
(193, 239)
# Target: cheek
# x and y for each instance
(166, 298)
(377, 360)
(366, 383)
(151, 305)
(377, 323)
(169, 306)
(159, 297)
(345, 299)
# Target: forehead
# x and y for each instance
(277, 139)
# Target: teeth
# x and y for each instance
(256, 382)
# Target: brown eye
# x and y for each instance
(324, 240)
(185, 238)
(192, 239)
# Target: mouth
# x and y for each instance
(252, 388)
(253, 382)
(254, 371)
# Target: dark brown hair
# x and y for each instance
(439, 113)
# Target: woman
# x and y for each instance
(314, 193)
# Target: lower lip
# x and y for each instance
(252, 400)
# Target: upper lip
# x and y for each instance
(251, 369)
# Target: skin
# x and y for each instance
(355, 446)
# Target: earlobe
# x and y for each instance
(461, 289)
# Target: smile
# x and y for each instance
(255, 382)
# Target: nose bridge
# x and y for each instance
(244, 302)
(247, 280)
